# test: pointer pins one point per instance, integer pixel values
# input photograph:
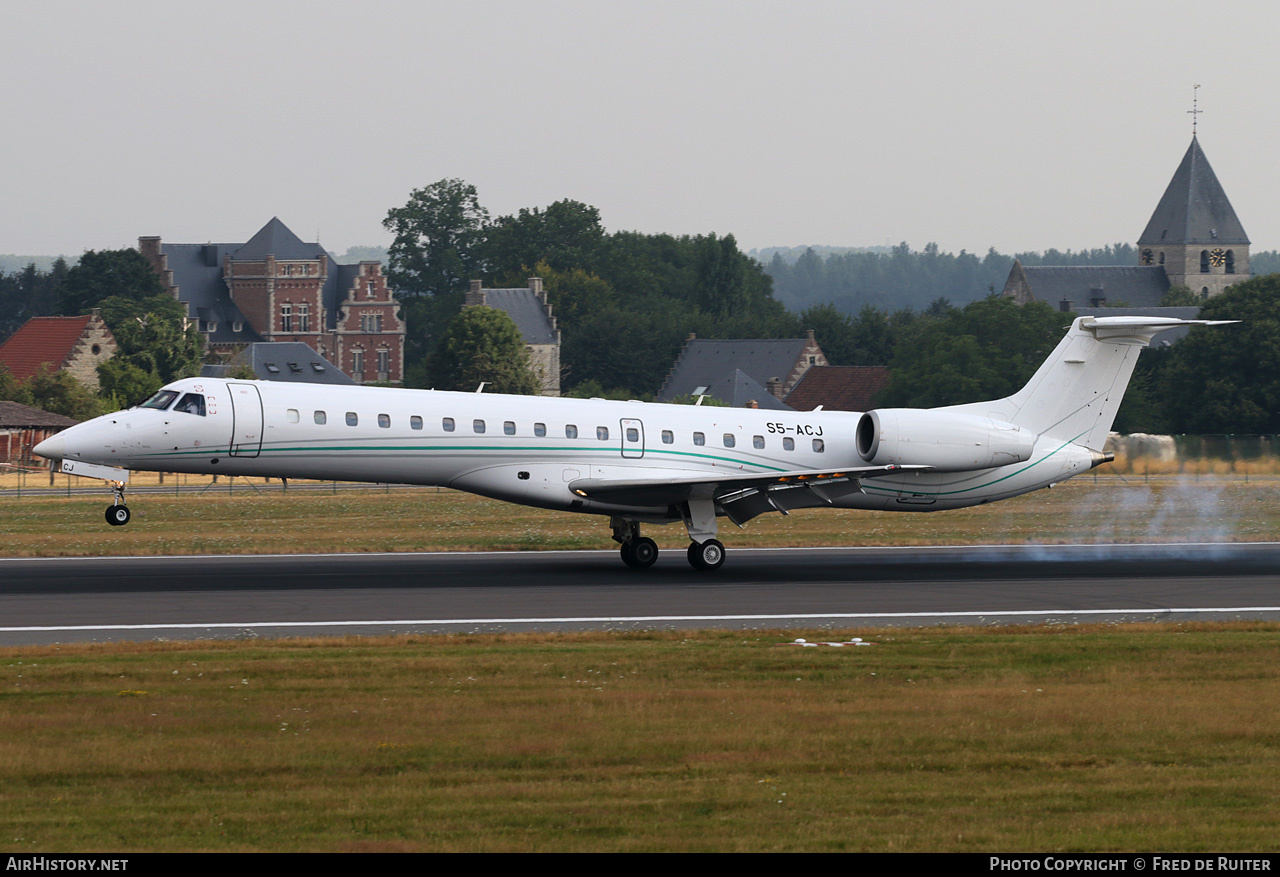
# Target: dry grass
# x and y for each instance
(243, 521)
(1088, 738)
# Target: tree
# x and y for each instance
(1227, 379)
(438, 233)
(59, 392)
(154, 335)
(566, 236)
(482, 345)
(104, 274)
(1179, 296)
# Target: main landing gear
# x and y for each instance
(706, 553)
(118, 513)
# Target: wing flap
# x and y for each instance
(741, 497)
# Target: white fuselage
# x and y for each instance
(522, 449)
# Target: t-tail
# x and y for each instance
(1072, 398)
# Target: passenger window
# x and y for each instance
(602, 433)
(352, 420)
(788, 444)
(699, 439)
(668, 437)
(570, 431)
(509, 427)
(292, 415)
(478, 425)
(818, 446)
(320, 417)
(415, 422)
(193, 403)
(447, 424)
(633, 434)
(540, 429)
(384, 421)
(757, 442)
(729, 440)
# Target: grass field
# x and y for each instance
(1090, 738)
(1011, 739)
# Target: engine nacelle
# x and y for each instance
(948, 441)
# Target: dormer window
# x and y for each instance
(272, 368)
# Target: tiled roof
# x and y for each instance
(41, 340)
(839, 387)
(14, 415)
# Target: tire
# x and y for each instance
(118, 515)
(706, 556)
(644, 552)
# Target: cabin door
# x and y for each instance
(632, 438)
(246, 420)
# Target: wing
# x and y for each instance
(739, 497)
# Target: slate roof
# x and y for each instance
(738, 389)
(839, 387)
(523, 306)
(705, 362)
(1194, 208)
(41, 340)
(287, 361)
(1138, 286)
(197, 272)
(14, 415)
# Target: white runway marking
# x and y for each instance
(641, 619)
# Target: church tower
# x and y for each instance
(1194, 233)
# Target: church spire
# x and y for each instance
(1194, 209)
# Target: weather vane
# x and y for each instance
(1195, 109)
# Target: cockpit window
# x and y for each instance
(161, 400)
(191, 403)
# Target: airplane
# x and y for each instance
(638, 463)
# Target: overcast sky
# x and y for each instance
(1019, 125)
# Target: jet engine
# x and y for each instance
(946, 440)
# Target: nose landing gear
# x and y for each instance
(118, 513)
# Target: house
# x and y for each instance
(739, 372)
(288, 361)
(22, 428)
(77, 345)
(1193, 239)
(839, 388)
(276, 287)
(528, 308)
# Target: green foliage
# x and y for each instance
(482, 345)
(1227, 379)
(104, 274)
(28, 293)
(152, 337)
(1179, 296)
(438, 234)
(125, 383)
(566, 236)
(985, 350)
(59, 392)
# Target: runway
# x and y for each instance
(51, 600)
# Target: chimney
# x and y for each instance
(774, 386)
(475, 295)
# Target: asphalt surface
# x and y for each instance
(100, 599)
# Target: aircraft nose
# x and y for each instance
(52, 448)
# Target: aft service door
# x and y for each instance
(632, 438)
(246, 420)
